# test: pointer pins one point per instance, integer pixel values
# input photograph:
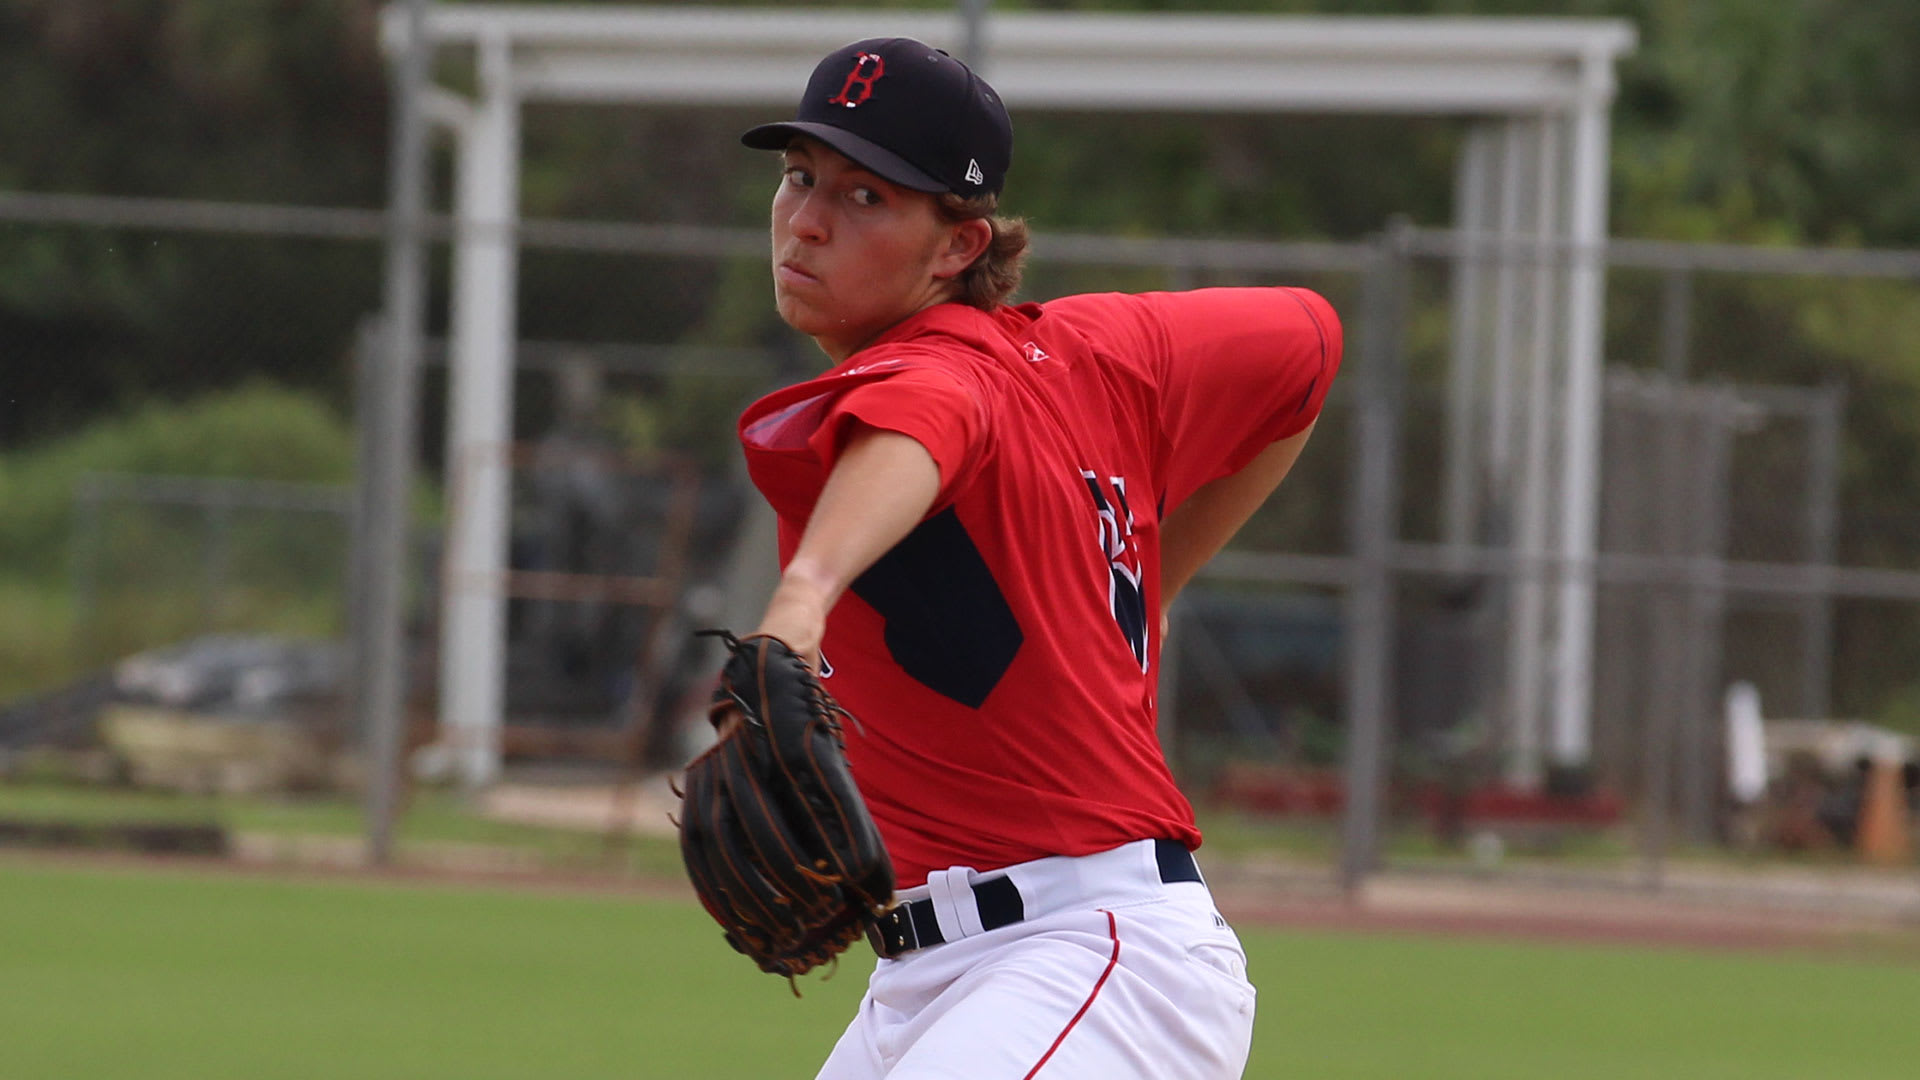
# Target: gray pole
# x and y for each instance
(973, 48)
(1372, 523)
(1823, 512)
(1706, 606)
(369, 346)
(388, 473)
(1668, 688)
(1676, 323)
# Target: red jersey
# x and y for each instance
(1002, 658)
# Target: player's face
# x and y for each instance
(853, 254)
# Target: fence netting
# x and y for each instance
(1757, 521)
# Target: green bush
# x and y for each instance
(256, 432)
(36, 637)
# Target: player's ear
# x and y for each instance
(966, 242)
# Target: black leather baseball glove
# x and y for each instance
(776, 837)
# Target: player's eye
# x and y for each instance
(866, 196)
(798, 176)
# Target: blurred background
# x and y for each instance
(1595, 597)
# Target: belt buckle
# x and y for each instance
(890, 933)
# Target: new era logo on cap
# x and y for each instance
(907, 111)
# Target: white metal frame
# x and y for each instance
(1541, 90)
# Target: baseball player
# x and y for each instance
(984, 513)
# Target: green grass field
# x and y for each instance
(150, 974)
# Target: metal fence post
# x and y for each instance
(1823, 518)
(1372, 525)
(1703, 755)
(382, 676)
(369, 422)
(85, 560)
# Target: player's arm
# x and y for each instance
(882, 485)
(1202, 525)
(1244, 372)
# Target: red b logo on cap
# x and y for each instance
(860, 77)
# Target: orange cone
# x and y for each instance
(1884, 837)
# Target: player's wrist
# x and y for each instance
(806, 579)
(797, 615)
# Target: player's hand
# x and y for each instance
(776, 837)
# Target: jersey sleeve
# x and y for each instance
(1237, 370)
(929, 405)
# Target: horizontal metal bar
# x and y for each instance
(1280, 566)
(1637, 254)
(633, 238)
(1613, 568)
(1749, 259)
(714, 241)
(192, 215)
(709, 360)
(1201, 252)
(1326, 571)
(1066, 36)
(1688, 571)
(637, 238)
(1044, 60)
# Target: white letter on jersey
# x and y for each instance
(1125, 597)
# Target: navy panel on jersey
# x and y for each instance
(948, 624)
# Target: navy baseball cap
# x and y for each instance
(907, 112)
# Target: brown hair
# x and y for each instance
(996, 273)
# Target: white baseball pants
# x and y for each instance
(1112, 974)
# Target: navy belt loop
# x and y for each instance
(1176, 862)
(913, 925)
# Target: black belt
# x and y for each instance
(913, 925)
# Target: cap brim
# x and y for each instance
(868, 155)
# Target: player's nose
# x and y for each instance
(808, 219)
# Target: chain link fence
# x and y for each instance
(1744, 553)
(1759, 520)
